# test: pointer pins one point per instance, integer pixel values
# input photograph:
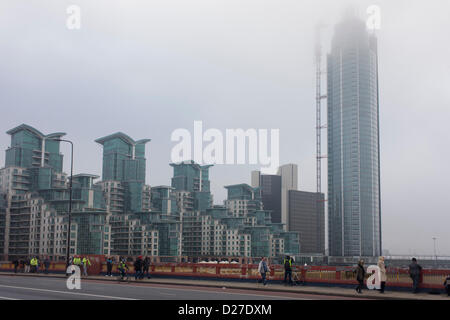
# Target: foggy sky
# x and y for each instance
(147, 68)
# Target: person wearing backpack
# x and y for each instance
(263, 269)
(288, 270)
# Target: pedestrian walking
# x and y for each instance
(38, 264)
(288, 270)
(383, 276)
(447, 285)
(109, 265)
(360, 276)
(33, 264)
(263, 269)
(138, 264)
(16, 264)
(27, 265)
(77, 261)
(46, 265)
(69, 263)
(86, 264)
(146, 267)
(414, 272)
(123, 268)
(22, 265)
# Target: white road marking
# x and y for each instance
(220, 292)
(7, 298)
(66, 292)
(174, 289)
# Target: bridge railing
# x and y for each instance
(396, 277)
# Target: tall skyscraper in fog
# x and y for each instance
(354, 218)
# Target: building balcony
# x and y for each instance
(24, 181)
(21, 174)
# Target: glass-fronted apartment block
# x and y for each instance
(163, 200)
(123, 174)
(239, 228)
(3, 230)
(267, 238)
(37, 197)
(353, 142)
(191, 187)
(243, 199)
(142, 220)
(121, 215)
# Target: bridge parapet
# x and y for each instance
(396, 277)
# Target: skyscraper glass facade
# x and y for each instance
(353, 142)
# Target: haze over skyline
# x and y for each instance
(148, 69)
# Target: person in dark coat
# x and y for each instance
(16, 264)
(447, 285)
(360, 276)
(414, 272)
(146, 267)
(22, 265)
(109, 266)
(288, 271)
(46, 265)
(138, 264)
(27, 265)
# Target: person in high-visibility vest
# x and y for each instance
(77, 261)
(288, 270)
(86, 263)
(33, 263)
(123, 267)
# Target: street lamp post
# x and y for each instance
(435, 256)
(70, 199)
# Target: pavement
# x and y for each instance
(26, 286)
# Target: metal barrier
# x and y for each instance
(396, 277)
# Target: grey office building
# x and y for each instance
(353, 142)
(270, 193)
(289, 181)
(307, 217)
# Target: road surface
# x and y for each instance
(42, 288)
